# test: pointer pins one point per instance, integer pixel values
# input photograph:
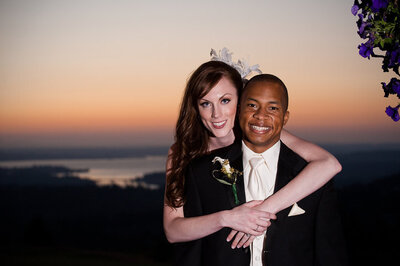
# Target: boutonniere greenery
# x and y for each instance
(227, 175)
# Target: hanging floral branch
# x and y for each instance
(379, 24)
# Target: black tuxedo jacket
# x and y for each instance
(312, 238)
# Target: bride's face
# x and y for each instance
(218, 108)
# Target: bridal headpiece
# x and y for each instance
(241, 65)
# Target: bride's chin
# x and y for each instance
(225, 134)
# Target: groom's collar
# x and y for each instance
(270, 156)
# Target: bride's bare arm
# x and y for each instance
(180, 229)
(243, 218)
(321, 168)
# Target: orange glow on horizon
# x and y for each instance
(76, 67)
(84, 123)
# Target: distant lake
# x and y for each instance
(361, 163)
(117, 171)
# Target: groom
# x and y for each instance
(307, 234)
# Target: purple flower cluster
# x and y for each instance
(393, 112)
(354, 9)
(375, 5)
(366, 49)
(378, 4)
(364, 25)
(392, 88)
(392, 59)
(378, 24)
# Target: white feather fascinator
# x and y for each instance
(241, 65)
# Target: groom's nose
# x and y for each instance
(260, 114)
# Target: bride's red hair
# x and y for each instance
(191, 137)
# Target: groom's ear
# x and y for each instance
(286, 117)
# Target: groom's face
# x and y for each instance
(262, 115)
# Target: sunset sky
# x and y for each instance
(112, 73)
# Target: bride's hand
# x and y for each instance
(241, 239)
(247, 220)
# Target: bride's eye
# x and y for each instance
(225, 101)
(204, 104)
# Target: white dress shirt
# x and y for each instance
(268, 171)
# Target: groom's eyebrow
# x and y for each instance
(251, 99)
(269, 102)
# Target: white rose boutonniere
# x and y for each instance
(227, 175)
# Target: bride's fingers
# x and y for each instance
(231, 235)
(258, 225)
(238, 237)
(262, 225)
(243, 240)
(259, 230)
(249, 241)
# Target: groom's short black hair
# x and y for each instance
(270, 79)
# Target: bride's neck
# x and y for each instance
(220, 142)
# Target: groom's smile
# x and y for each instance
(259, 129)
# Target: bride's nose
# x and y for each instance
(216, 111)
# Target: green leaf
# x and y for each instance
(223, 181)
(387, 41)
(234, 190)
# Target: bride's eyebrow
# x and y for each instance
(226, 94)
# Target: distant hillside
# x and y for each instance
(77, 220)
(366, 166)
(42, 176)
(12, 154)
(51, 215)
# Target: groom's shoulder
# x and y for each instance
(289, 157)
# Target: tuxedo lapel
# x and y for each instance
(283, 172)
(283, 176)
